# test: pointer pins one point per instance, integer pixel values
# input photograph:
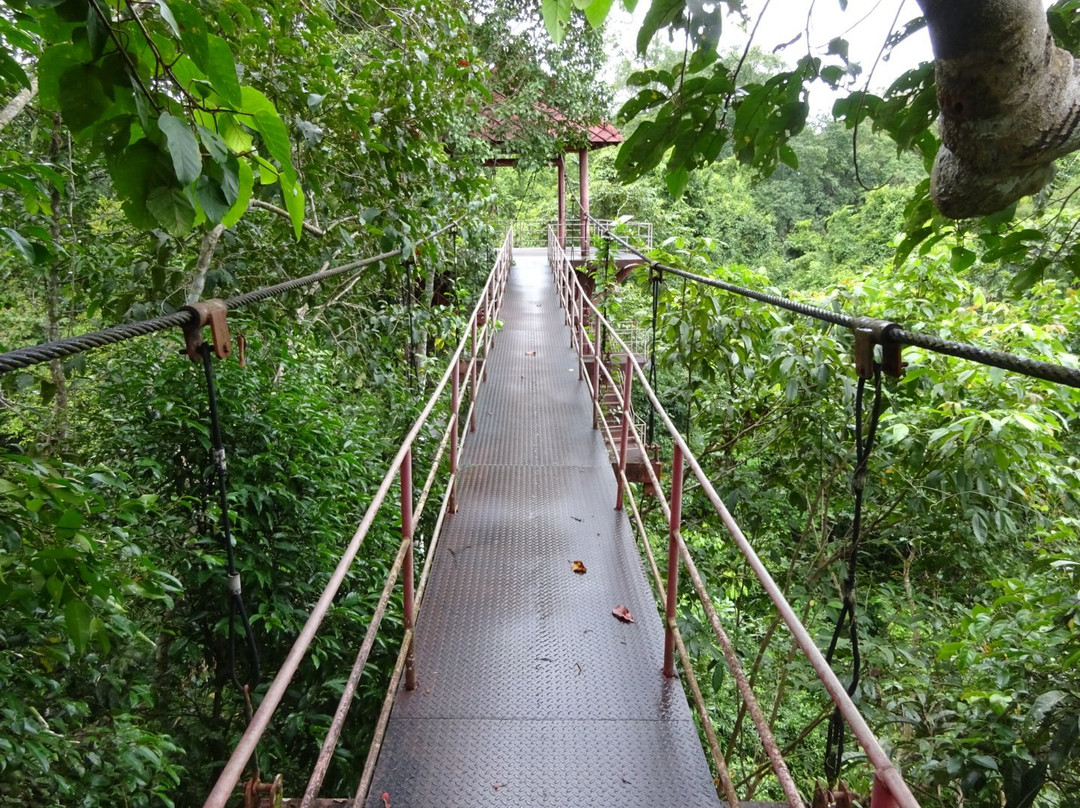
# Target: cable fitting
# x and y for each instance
(219, 460)
(869, 333)
(207, 313)
(234, 583)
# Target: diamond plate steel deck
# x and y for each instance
(530, 692)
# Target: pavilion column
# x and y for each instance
(561, 165)
(583, 195)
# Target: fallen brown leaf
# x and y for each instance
(386, 799)
(623, 614)
(578, 567)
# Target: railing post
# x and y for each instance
(674, 523)
(574, 316)
(596, 376)
(581, 335)
(624, 432)
(407, 574)
(881, 796)
(455, 414)
(472, 375)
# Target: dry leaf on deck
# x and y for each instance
(623, 614)
(578, 567)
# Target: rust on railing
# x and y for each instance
(478, 339)
(889, 788)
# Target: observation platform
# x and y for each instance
(530, 691)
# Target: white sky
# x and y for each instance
(865, 25)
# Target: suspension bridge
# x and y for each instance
(537, 666)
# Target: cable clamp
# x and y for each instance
(869, 333)
(234, 583)
(207, 313)
(219, 460)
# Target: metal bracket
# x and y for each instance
(207, 313)
(258, 794)
(869, 333)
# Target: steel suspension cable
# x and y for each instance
(1033, 368)
(59, 349)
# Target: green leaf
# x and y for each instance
(245, 183)
(183, 148)
(82, 97)
(211, 199)
(660, 13)
(294, 202)
(97, 28)
(597, 11)
(25, 248)
(215, 144)
(77, 619)
(167, 15)
(276, 138)
(677, 180)
(68, 524)
(171, 209)
(556, 14)
(220, 68)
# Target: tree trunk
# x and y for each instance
(1009, 99)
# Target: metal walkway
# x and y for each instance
(531, 693)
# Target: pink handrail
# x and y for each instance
(889, 789)
(489, 301)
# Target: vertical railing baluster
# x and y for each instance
(674, 524)
(472, 377)
(455, 414)
(596, 376)
(407, 575)
(581, 334)
(624, 431)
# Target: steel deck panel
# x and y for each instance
(530, 692)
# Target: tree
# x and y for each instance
(1000, 148)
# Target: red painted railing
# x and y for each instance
(478, 340)
(889, 788)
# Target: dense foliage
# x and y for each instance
(182, 150)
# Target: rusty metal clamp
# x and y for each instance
(258, 794)
(207, 313)
(869, 333)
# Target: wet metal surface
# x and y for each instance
(530, 692)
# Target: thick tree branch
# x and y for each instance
(206, 255)
(18, 103)
(1009, 99)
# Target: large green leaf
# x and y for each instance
(556, 15)
(171, 209)
(221, 70)
(294, 202)
(245, 182)
(276, 139)
(183, 148)
(660, 13)
(77, 620)
(82, 98)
